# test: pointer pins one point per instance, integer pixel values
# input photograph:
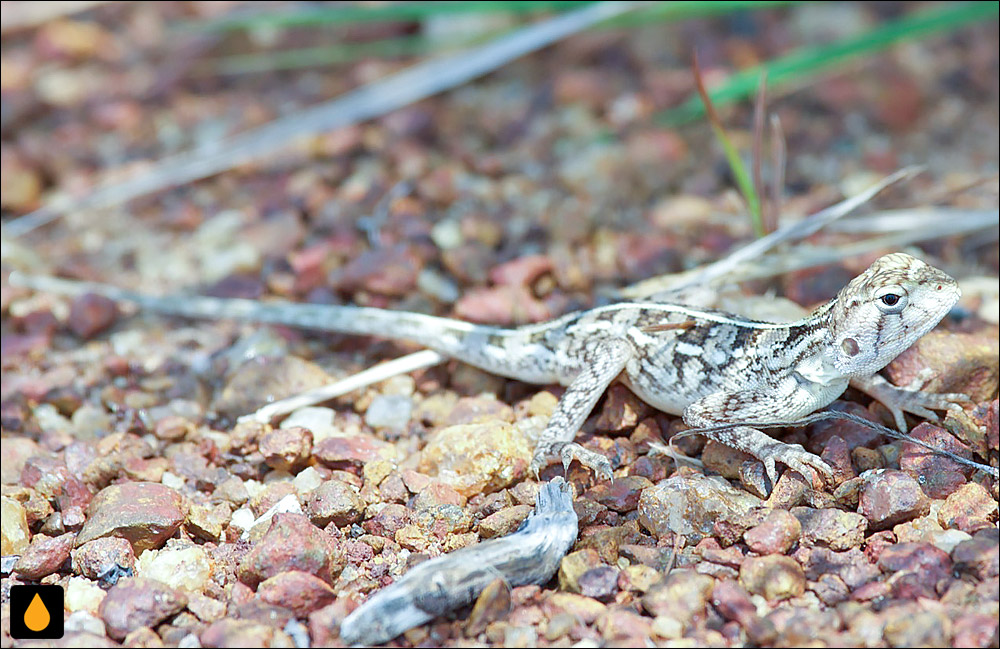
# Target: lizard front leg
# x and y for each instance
(907, 398)
(751, 405)
(602, 361)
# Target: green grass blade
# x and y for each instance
(811, 61)
(401, 11)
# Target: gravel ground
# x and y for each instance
(126, 479)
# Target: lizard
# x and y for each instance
(708, 366)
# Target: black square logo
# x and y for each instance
(36, 612)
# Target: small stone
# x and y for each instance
(923, 564)
(103, 557)
(390, 411)
(573, 565)
(522, 271)
(335, 502)
(601, 583)
(91, 314)
(639, 578)
(185, 569)
(584, 609)
(14, 527)
(684, 596)
(494, 603)
(504, 522)
(774, 576)
(690, 505)
(144, 513)
(621, 410)
(352, 451)
(388, 520)
(477, 458)
(970, 508)
(292, 543)
(44, 556)
(620, 495)
(834, 528)
(231, 632)
(286, 449)
(890, 497)
(775, 535)
(208, 523)
(437, 493)
(979, 556)
(299, 591)
(725, 460)
(733, 603)
(83, 595)
(938, 475)
(968, 363)
(135, 602)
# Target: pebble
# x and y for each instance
(968, 363)
(494, 603)
(353, 451)
(620, 495)
(504, 522)
(970, 508)
(683, 595)
(775, 577)
(335, 502)
(979, 556)
(144, 513)
(690, 505)
(292, 543)
(775, 534)
(14, 532)
(232, 632)
(890, 497)
(44, 556)
(391, 411)
(939, 476)
(186, 569)
(299, 591)
(135, 602)
(834, 528)
(286, 449)
(477, 458)
(103, 557)
(84, 595)
(90, 315)
(601, 583)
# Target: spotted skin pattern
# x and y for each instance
(708, 366)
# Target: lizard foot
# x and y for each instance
(568, 452)
(795, 458)
(910, 398)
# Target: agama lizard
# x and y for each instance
(711, 367)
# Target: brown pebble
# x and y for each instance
(286, 449)
(135, 602)
(775, 534)
(299, 591)
(891, 497)
(44, 556)
(773, 576)
(292, 543)
(91, 314)
(335, 502)
(970, 508)
(144, 513)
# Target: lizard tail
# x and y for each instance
(450, 337)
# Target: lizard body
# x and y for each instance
(709, 366)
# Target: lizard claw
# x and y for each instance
(795, 458)
(568, 452)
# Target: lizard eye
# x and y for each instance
(891, 299)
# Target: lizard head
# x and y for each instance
(885, 309)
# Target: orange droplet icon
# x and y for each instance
(36, 617)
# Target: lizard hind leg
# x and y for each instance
(602, 362)
(749, 406)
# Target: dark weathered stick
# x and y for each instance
(530, 555)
